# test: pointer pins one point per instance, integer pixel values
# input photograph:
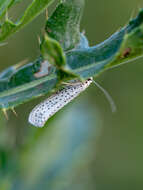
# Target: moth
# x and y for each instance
(43, 111)
(46, 109)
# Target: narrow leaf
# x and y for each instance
(34, 9)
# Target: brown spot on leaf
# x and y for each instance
(126, 52)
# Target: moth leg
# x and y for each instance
(76, 82)
(72, 83)
(5, 113)
(15, 113)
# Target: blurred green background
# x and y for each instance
(84, 146)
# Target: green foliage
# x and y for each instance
(64, 24)
(65, 53)
(52, 52)
(5, 5)
(44, 159)
(8, 27)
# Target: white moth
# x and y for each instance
(43, 111)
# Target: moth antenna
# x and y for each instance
(108, 96)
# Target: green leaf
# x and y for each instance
(64, 24)
(131, 48)
(4, 5)
(21, 74)
(15, 96)
(34, 9)
(123, 46)
(52, 52)
(40, 77)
